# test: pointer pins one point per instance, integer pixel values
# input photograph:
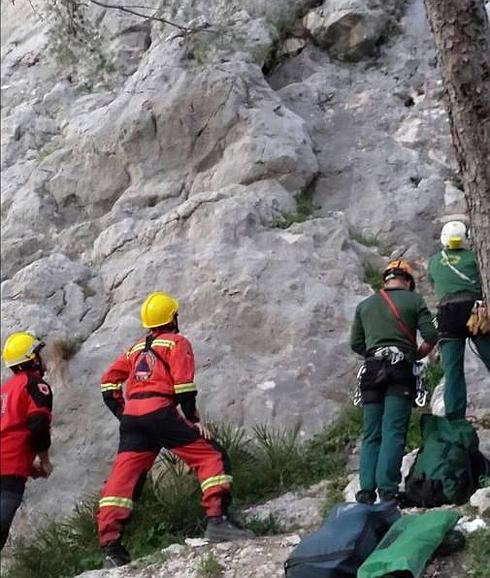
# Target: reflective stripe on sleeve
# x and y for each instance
(185, 387)
(216, 481)
(115, 501)
(134, 349)
(164, 343)
(158, 342)
(110, 386)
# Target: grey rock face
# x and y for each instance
(294, 510)
(350, 29)
(177, 172)
(261, 557)
(481, 500)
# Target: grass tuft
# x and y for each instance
(373, 277)
(210, 567)
(60, 548)
(369, 240)
(269, 526)
(304, 210)
(335, 493)
(277, 451)
(432, 375)
(476, 556)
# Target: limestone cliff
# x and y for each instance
(174, 161)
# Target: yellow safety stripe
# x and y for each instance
(137, 347)
(164, 343)
(216, 481)
(158, 342)
(185, 387)
(110, 386)
(115, 501)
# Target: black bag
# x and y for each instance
(347, 537)
(382, 377)
(453, 314)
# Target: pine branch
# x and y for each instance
(141, 15)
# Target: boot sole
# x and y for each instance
(110, 565)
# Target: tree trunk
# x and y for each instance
(462, 36)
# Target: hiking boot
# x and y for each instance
(222, 529)
(115, 554)
(388, 496)
(398, 498)
(366, 496)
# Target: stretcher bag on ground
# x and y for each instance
(409, 545)
(447, 467)
(346, 538)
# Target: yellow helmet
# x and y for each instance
(20, 347)
(158, 309)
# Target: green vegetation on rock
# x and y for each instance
(373, 277)
(210, 567)
(476, 558)
(304, 210)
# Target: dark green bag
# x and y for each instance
(409, 545)
(446, 467)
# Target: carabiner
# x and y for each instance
(357, 397)
(421, 398)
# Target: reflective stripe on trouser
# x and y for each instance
(116, 503)
(141, 438)
(213, 473)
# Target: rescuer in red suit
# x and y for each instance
(25, 405)
(158, 409)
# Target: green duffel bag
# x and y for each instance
(409, 545)
(446, 469)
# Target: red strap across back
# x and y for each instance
(396, 314)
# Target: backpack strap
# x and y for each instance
(396, 314)
(453, 268)
(148, 347)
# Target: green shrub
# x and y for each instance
(369, 240)
(335, 493)
(75, 42)
(327, 452)
(432, 375)
(414, 437)
(476, 557)
(277, 453)
(304, 210)
(210, 567)
(266, 527)
(59, 548)
(373, 277)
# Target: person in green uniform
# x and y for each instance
(384, 333)
(454, 276)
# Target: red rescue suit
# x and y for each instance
(159, 375)
(26, 402)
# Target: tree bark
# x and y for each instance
(462, 37)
